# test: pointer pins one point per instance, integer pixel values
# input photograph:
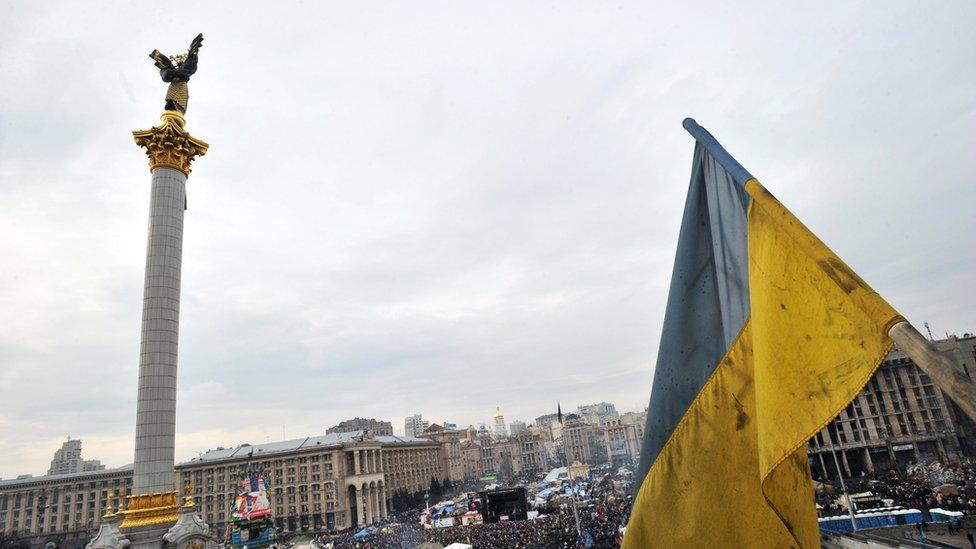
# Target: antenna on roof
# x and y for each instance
(929, 330)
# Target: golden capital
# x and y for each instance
(169, 145)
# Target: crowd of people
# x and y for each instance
(930, 485)
(600, 522)
(922, 486)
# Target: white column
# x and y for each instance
(374, 501)
(360, 508)
(156, 407)
(382, 499)
(368, 505)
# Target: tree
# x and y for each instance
(435, 488)
(446, 486)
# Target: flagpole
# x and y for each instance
(840, 475)
(959, 388)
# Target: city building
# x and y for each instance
(377, 427)
(68, 506)
(900, 417)
(332, 482)
(546, 420)
(92, 465)
(623, 438)
(500, 430)
(528, 453)
(516, 427)
(597, 414)
(449, 441)
(471, 459)
(522, 454)
(414, 426)
(68, 460)
(583, 441)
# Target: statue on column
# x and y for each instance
(176, 70)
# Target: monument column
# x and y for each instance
(156, 404)
(170, 150)
(154, 516)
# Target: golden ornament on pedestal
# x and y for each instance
(151, 509)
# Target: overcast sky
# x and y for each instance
(439, 208)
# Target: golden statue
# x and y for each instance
(188, 494)
(177, 70)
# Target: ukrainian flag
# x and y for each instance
(767, 336)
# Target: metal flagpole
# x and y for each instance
(572, 482)
(943, 372)
(840, 475)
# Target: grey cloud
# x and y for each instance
(442, 209)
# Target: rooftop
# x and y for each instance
(329, 440)
(63, 477)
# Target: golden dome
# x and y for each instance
(498, 413)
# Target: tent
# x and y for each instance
(457, 545)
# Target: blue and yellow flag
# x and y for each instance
(767, 336)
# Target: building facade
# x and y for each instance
(68, 460)
(471, 460)
(68, 506)
(414, 426)
(331, 482)
(623, 438)
(449, 441)
(900, 417)
(598, 413)
(516, 427)
(528, 451)
(377, 427)
(583, 441)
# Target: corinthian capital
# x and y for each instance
(169, 145)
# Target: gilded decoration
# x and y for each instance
(169, 145)
(151, 509)
(188, 495)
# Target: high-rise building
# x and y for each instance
(414, 426)
(516, 427)
(598, 414)
(898, 418)
(67, 459)
(378, 428)
(500, 430)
